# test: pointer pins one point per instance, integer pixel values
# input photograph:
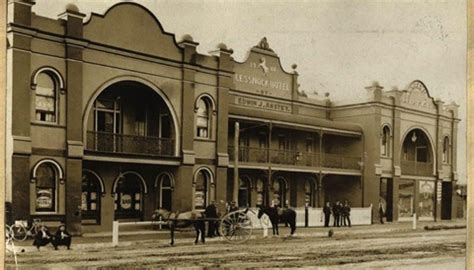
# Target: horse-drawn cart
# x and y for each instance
(236, 227)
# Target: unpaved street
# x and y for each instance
(347, 249)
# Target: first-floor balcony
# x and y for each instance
(295, 158)
(410, 167)
(129, 144)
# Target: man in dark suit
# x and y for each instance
(211, 212)
(327, 213)
(346, 214)
(42, 237)
(381, 210)
(336, 211)
(61, 237)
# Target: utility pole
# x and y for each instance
(236, 163)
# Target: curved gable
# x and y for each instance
(132, 27)
(417, 95)
(261, 73)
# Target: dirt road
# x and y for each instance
(347, 249)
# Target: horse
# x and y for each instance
(182, 220)
(286, 215)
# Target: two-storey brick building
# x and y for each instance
(111, 118)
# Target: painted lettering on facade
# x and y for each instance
(261, 104)
(261, 82)
(262, 75)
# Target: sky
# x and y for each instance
(339, 46)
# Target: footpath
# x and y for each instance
(132, 237)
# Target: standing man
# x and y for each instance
(346, 210)
(211, 212)
(381, 210)
(327, 214)
(336, 211)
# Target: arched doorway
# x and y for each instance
(129, 189)
(261, 192)
(244, 192)
(165, 185)
(130, 117)
(279, 192)
(92, 189)
(202, 185)
(309, 187)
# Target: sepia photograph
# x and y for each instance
(149, 134)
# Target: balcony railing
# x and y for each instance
(296, 158)
(416, 168)
(129, 144)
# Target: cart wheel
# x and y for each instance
(236, 227)
(18, 232)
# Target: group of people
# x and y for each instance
(212, 211)
(60, 238)
(341, 213)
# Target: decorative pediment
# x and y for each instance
(417, 95)
(133, 27)
(261, 73)
(263, 44)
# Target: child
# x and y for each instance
(61, 238)
(42, 237)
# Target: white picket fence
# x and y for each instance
(359, 216)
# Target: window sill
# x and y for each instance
(203, 139)
(46, 124)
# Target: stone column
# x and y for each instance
(18, 110)
(188, 100)
(74, 46)
(224, 84)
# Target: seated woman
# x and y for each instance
(61, 238)
(42, 237)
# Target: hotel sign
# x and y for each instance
(262, 104)
(261, 74)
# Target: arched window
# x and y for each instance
(203, 117)
(309, 191)
(279, 191)
(446, 150)
(201, 192)
(244, 192)
(260, 192)
(45, 99)
(165, 191)
(92, 190)
(128, 196)
(46, 188)
(385, 144)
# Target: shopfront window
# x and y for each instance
(279, 188)
(308, 191)
(406, 198)
(128, 196)
(46, 188)
(260, 192)
(201, 189)
(426, 200)
(91, 194)
(244, 192)
(166, 191)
